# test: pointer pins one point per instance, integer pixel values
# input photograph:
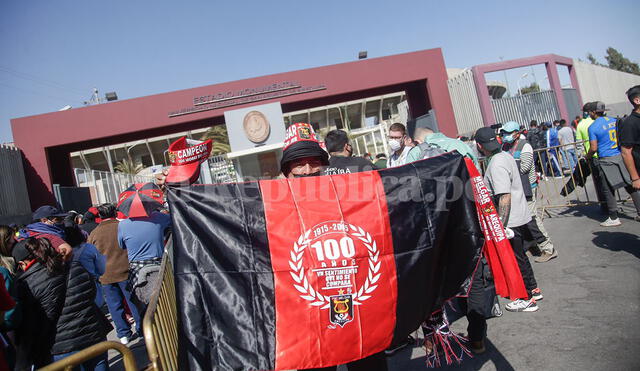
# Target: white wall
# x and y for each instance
(606, 85)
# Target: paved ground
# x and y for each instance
(589, 318)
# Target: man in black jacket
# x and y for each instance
(342, 160)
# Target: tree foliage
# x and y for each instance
(128, 166)
(616, 61)
(533, 88)
(218, 134)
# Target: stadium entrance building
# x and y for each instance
(47, 140)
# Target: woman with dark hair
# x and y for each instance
(59, 314)
(8, 270)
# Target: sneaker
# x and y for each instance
(520, 305)
(477, 347)
(124, 340)
(611, 222)
(545, 257)
(536, 294)
(400, 346)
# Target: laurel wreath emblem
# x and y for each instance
(315, 297)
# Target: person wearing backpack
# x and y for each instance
(431, 143)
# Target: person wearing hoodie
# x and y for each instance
(48, 222)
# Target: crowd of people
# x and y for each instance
(64, 271)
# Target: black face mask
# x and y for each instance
(306, 175)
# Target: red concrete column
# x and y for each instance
(554, 81)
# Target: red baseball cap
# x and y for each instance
(185, 160)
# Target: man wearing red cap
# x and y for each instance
(302, 154)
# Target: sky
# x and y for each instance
(55, 52)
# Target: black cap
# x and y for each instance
(598, 106)
(20, 252)
(47, 211)
(588, 107)
(633, 91)
(487, 138)
(302, 149)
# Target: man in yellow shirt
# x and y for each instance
(582, 131)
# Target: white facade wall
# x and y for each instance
(464, 99)
(606, 85)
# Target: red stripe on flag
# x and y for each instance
(334, 270)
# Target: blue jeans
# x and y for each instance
(570, 157)
(114, 294)
(99, 363)
(99, 295)
(550, 163)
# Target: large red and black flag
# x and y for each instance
(319, 271)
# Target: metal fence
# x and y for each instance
(105, 186)
(160, 324)
(221, 170)
(71, 362)
(14, 199)
(563, 182)
(464, 99)
(541, 106)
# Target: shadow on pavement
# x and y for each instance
(618, 241)
(405, 361)
(588, 211)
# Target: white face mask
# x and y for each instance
(394, 144)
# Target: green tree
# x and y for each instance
(218, 134)
(128, 166)
(618, 62)
(593, 60)
(533, 88)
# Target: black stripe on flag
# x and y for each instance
(437, 239)
(224, 281)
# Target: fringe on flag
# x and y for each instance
(442, 344)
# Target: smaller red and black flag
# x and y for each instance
(140, 200)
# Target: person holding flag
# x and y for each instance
(309, 271)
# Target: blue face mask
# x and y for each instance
(510, 138)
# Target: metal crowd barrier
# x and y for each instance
(68, 363)
(552, 182)
(550, 186)
(160, 323)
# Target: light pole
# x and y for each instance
(521, 77)
(506, 80)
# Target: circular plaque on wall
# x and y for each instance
(256, 126)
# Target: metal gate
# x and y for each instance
(541, 106)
